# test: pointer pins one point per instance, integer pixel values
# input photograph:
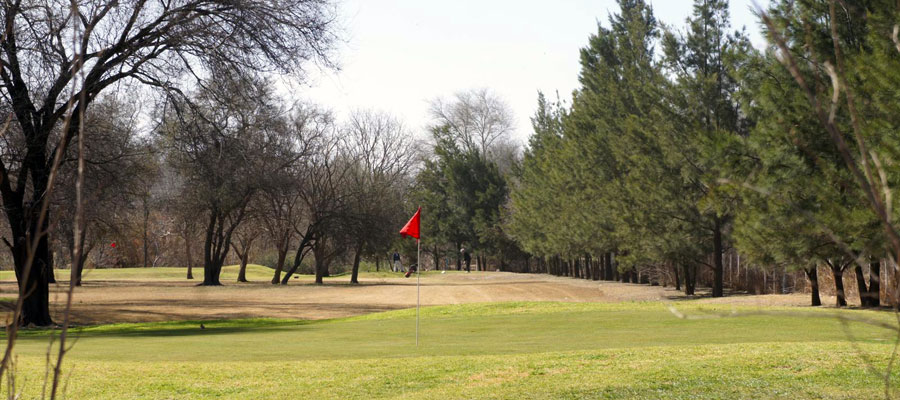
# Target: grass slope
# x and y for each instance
(505, 350)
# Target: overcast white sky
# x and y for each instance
(400, 54)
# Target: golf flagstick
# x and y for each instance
(418, 268)
(411, 229)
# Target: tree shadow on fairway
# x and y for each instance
(436, 284)
(172, 329)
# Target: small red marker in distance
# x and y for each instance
(113, 245)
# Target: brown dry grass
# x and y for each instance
(159, 300)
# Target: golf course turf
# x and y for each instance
(486, 350)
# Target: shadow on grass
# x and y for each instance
(169, 329)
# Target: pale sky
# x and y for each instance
(398, 55)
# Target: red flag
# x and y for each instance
(412, 227)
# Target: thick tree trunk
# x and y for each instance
(215, 249)
(718, 267)
(838, 274)
(812, 274)
(458, 256)
(212, 269)
(36, 286)
(354, 276)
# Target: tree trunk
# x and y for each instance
(690, 279)
(354, 276)
(36, 286)
(875, 282)
(320, 265)
(610, 272)
(718, 269)
(279, 265)
(458, 256)
(838, 272)
(861, 286)
(190, 260)
(298, 259)
(212, 269)
(813, 275)
(51, 274)
(215, 248)
(79, 267)
(437, 258)
(145, 238)
(677, 277)
(242, 273)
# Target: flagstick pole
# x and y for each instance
(418, 268)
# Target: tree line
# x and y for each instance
(686, 156)
(685, 146)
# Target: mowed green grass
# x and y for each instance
(500, 350)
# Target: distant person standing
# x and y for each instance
(398, 266)
(467, 258)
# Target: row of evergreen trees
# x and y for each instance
(681, 145)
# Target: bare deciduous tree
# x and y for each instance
(380, 152)
(225, 148)
(475, 119)
(154, 43)
(282, 207)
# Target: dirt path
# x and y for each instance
(134, 301)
